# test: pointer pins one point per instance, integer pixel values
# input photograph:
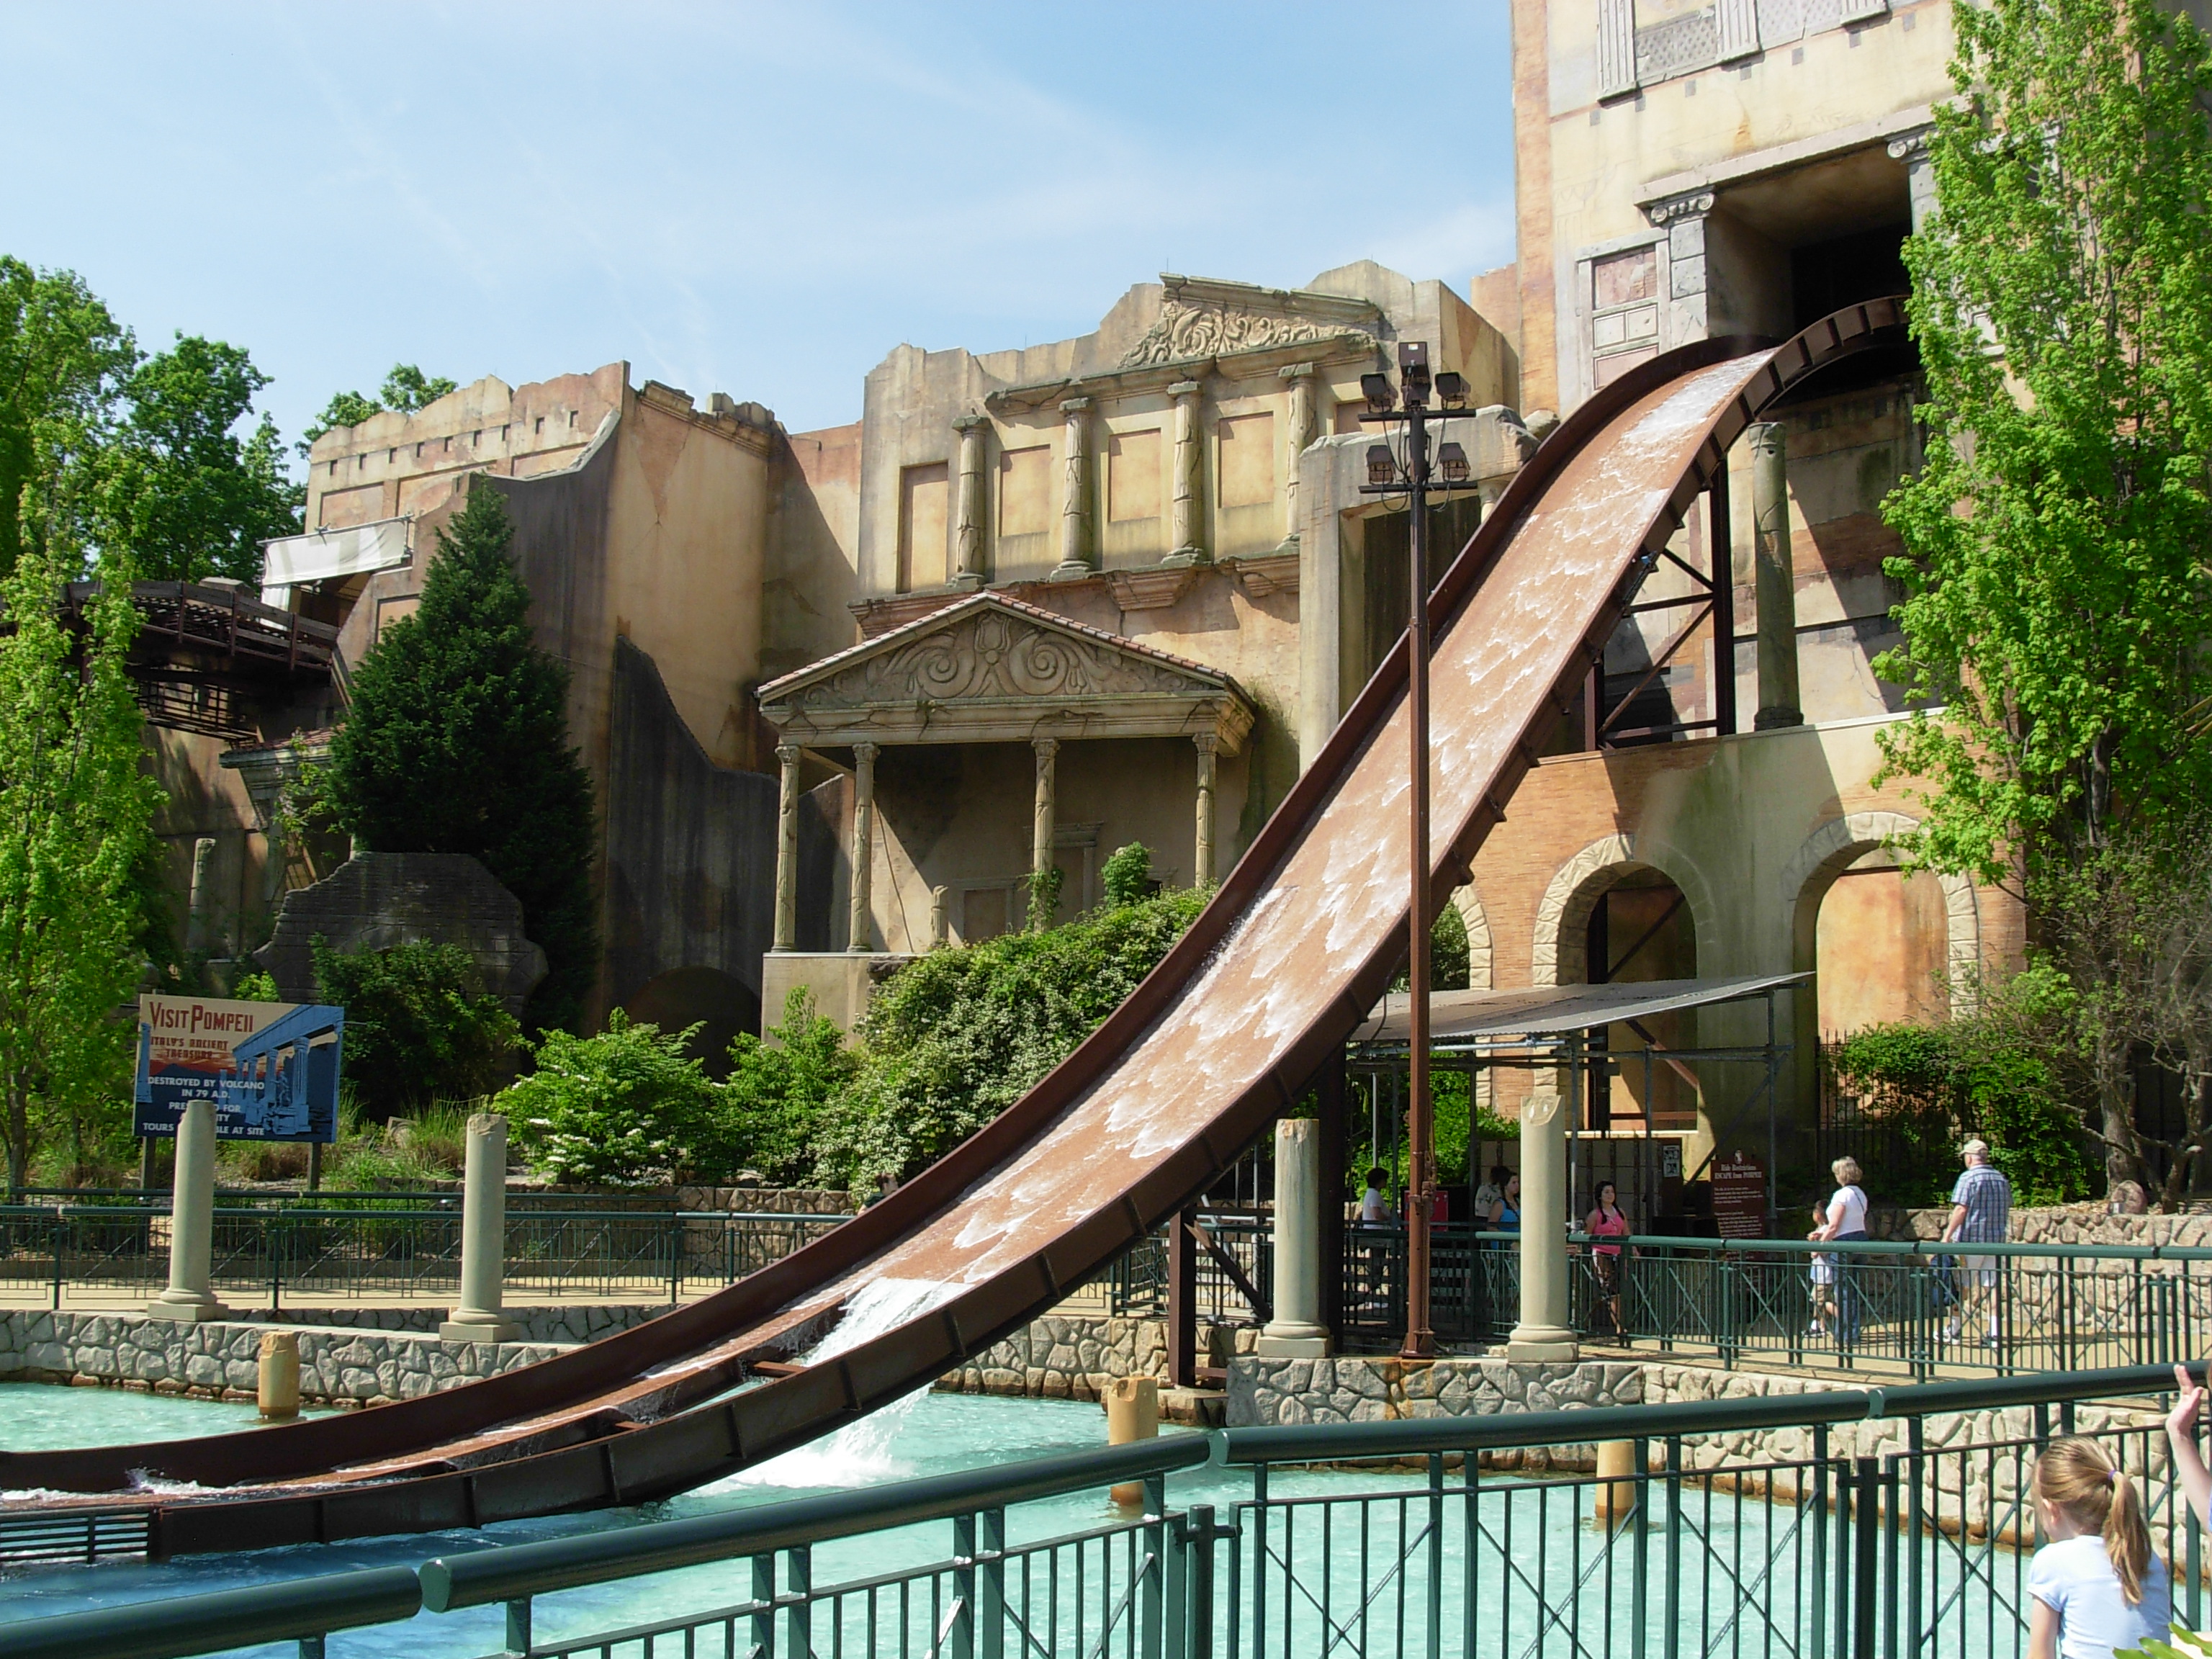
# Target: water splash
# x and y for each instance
(860, 1453)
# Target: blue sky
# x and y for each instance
(760, 200)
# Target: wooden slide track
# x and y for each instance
(1282, 965)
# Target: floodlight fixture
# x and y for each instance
(1451, 389)
(1381, 399)
(1413, 370)
(1382, 468)
(1451, 461)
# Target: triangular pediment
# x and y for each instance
(990, 668)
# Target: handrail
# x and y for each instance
(100, 1211)
(503, 1575)
(513, 1573)
(171, 1629)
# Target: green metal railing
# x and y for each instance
(345, 1253)
(1917, 1553)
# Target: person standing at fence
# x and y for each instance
(1822, 1276)
(1981, 1213)
(1376, 1215)
(1846, 1224)
(1487, 1194)
(1607, 1226)
(2098, 1586)
(1506, 1214)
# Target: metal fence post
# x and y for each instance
(1819, 1646)
(1259, 1559)
(1916, 1515)
(991, 1583)
(960, 1639)
(798, 1586)
(1174, 1614)
(1198, 1583)
(61, 1238)
(1671, 1642)
(763, 1613)
(1889, 1537)
(1639, 1566)
(1866, 1557)
(518, 1624)
(1155, 1504)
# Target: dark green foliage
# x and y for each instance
(63, 363)
(420, 1026)
(961, 1034)
(405, 389)
(191, 498)
(1448, 959)
(1128, 874)
(457, 741)
(775, 1096)
(1934, 1085)
(1044, 894)
(623, 1107)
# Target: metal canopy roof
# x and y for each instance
(1547, 1010)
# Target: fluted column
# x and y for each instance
(864, 851)
(1202, 859)
(1295, 1331)
(786, 849)
(968, 508)
(1188, 526)
(1305, 427)
(1542, 1335)
(1075, 561)
(1779, 697)
(1042, 827)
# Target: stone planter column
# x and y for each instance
(1188, 525)
(191, 1223)
(1296, 1332)
(1778, 699)
(1075, 558)
(786, 849)
(968, 506)
(1304, 428)
(1202, 853)
(1543, 1335)
(1043, 825)
(484, 1237)
(864, 824)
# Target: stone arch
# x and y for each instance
(1558, 953)
(1480, 945)
(1832, 847)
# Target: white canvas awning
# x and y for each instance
(322, 554)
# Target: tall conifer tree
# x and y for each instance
(457, 741)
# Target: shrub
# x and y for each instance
(420, 1026)
(1128, 874)
(775, 1095)
(624, 1108)
(958, 1035)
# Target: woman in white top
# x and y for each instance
(1847, 1220)
(2098, 1586)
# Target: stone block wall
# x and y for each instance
(1372, 1390)
(220, 1361)
(1061, 1357)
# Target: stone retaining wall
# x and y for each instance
(1065, 1358)
(359, 1366)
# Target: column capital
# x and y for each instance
(864, 753)
(1076, 406)
(1295, 372)
(1207, 742)
(972, 422)
(1046, 747)
(1690, 205)
(1910, 146)
(1185, 389)
(788, 753)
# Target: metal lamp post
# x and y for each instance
(1406, 406)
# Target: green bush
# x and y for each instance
(775, 1095)
(958, 1035)
(420, 1026)
(624, 1108)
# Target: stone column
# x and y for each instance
(1075, 560)
(1911, 148)
(1543, 1335)
(968, 508)
(864, 844)
(1188, 526)
(1047, 805)
(1295, 1331)
(940, 931)
(201, 896)
(1202, 861)
(786, 849)
(1778, 703)
(484, 1237)
(1305, 427)
(191, 1223)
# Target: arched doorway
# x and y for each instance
(1641, 929)
(720, 1005)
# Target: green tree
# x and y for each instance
(63, 362)
(457, 741)
(191, 497)
(623, 1107)
(405, 389)
(420, 1026)
(75, 809)
(2056, 534)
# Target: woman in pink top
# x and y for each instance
(1607, 1221)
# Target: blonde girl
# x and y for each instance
(2098, 1586)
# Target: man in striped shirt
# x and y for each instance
(1981, 1211)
